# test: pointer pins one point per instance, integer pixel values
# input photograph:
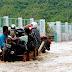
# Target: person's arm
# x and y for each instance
(22, 38)
(16, 38)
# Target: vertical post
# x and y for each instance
(42, 27)
(6, 23)
(66, 27)
(58, 31)
(31, 20)
(69, 28)
(20, 22)
(55, 34)
(66, 30)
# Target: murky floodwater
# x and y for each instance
(58, 59)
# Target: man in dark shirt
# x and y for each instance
(36, 31)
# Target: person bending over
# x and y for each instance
(25, 37)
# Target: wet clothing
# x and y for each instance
(37, 34)
(34, 38)
(32, 42)
(24, 38)
(2, 40)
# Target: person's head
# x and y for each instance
(13, 26)
(34, 24)
(27, 31)
(5, 30)
(30, 28)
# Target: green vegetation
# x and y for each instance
(51, 10)
(47, 28)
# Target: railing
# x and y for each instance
(21, 23)
(13, 21)
(25, 22)
(64, 29)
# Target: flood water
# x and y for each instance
(58, 59)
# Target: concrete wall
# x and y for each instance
(63, 34)
(66, 37)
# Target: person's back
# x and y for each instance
(36, 31)
(24, 38)
(37, 34)
(32, 42)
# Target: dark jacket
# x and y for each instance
(37, 34)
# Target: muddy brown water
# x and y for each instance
(58, 59)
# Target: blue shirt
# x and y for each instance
(2, 40)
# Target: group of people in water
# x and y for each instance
(29, 30)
